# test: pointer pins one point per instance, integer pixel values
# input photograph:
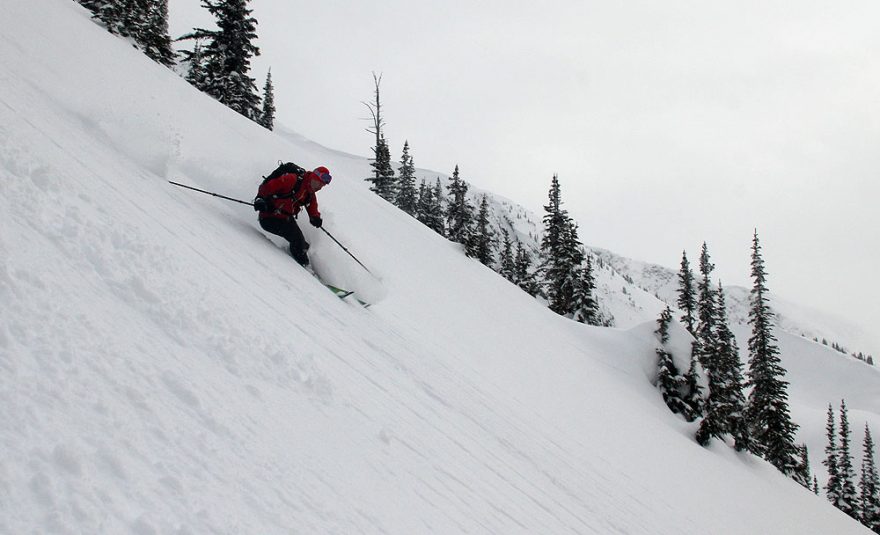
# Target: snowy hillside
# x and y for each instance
(166, 368)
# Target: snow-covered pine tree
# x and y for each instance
(562, 254)
(459, 212)
(407, 196)
(687, 301)
(482, 240)
(704, 347)
(154, 38)
(144, 21)
(725, 403)
(693, 392)
(834, 487)
(805, 476)
(770, 423)
(869, 486)
(422, 202)
(227, 56)
(585, 302)
(525, 278)
(195, 61)
(507, 265)
(706, 315)
(436, 214)
(669, 382)
(267, 114)
(848, 502)
(383, 182)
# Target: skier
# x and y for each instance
(280, 198)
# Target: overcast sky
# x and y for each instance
(669, 123)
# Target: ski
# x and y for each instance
(340, 293)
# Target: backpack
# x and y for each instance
(283, 169)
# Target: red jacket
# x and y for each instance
(288, 196)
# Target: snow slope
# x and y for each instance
(168, 369)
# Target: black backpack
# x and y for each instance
(283, 169)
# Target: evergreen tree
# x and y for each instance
(869, 485)
(562, 254)
(429, 209)
(407, 197)
(770, 423)
(267, 115)
(707, 313)
(525, 278)
(144, 21)
(834, 487)
(586, 306)
(805, 476)
(687, 300)
(384, 182)
(227, 56)
(507, 267)
(693, 392)
(725, 403)
(422, 202)
(196, 73)
(481, 244)
(670, 383)
(154, 37)
(459, 212)
(436, 218)
(815, 485)
(848, 502)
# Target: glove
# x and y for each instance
(263, 205)
(316, 221)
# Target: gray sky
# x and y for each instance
(669, 123)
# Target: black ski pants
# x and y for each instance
(290, 231)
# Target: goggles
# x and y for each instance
(325, 178)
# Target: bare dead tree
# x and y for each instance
(375, 108)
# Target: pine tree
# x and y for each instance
(459, 212)
(144, 21)
(869, 485)
(267, 114)
(407, 196)
(669, 381)
(227, 56)
(687, 300)
(507, 268)
(693, 392)
(815, 485)
(196, 72)
(383, 183)
(154, 38)
(525, 278)
(585, 302)
(562, 254)
(834, 486)
(804, 476)
(481, 244)
(848, 502)
(725, 404)
(707, 313)
(770, 423)
(436, 218)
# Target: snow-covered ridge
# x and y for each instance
(167, 368)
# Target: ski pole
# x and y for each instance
(211, 193)
(347, 251)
